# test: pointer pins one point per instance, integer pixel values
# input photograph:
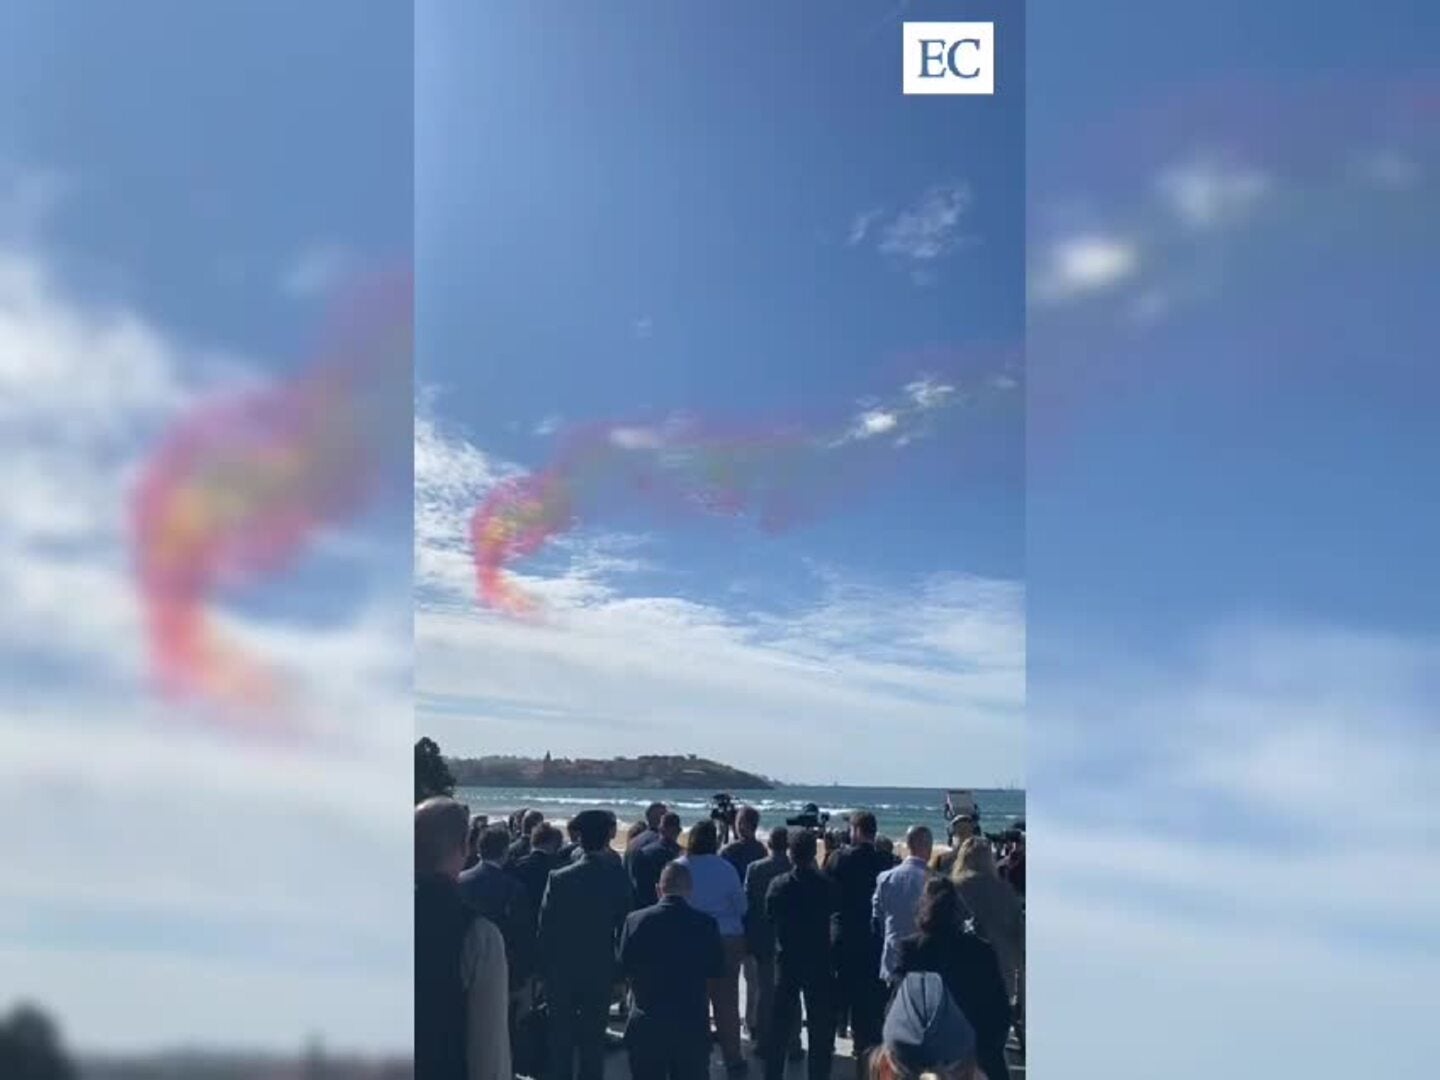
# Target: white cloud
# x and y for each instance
(643, 327)
(207, 845)
(1205, 192)
(1079, 265)
(861, 225)
(605, 673)
(315, 270)
(928, 230)
(876, 422)
(548, 426)
(1243, 836)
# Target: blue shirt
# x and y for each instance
(896, 905)
(717, 892)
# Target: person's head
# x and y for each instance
(863, 827)
(635, 829)
(779, 839)
(925, 1033)
(653, 813)
(595, 828)
(675, 880)
(441, 825)
(941, 911)
(919, 841)
(963, 827)
(529, 821)
(572, 829)
(546, 837)
(803, 848)
(494, 842)
(885, 845)
(834, 840)
(613, 825)
(704, 838)
(478, 824)
(670, 827)
(747, 821)
(975, 857)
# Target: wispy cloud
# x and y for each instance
(919, 236)
(181, 824)
(1246, 833)
(609, 662)
(643, 327)
(317, 269)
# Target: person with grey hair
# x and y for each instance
(670, 951)
(897, 896)
(461, 975)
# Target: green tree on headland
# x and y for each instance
(30, 1047)
(432, 775)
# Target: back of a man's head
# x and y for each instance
(546, 837)
(653, 813)
(441, 825)
(676, 880)
(704, 838)
(747, 821)
(863, 827)
(670, 826)
(530, 820)
(803, 848)
(919, 841)
(779, 839)
(494, 842)
(595, 828)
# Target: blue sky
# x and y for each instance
(683, 213)
(617, 223)
(181, 188)
(1233, 644)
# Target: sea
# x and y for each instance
(896, 809)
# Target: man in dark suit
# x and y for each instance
(533, 870)
(759, 933)
(521, 847)
(857, 945)
(580, 920)
(799, 906)
(654, 813)
(669, 951)
(646, 864)
(501, 898)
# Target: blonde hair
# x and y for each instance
(975, 857)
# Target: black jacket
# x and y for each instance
(852, 927)
(971, 973)
(502, 899)
(741, 853)
(533, 872)
(580, 919)
(668, 951)
(799, 905)
(442, 919)
(645, 867)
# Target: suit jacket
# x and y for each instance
(645, 867)
(501, 898)
(759, 933)
(533, 872)
(799, 905)
(668, 951)
(580, 920)
(855, 872)
(635, 846)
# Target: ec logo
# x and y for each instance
(949, 58)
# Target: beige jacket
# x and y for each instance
(487, 983)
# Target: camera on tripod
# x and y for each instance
(723, 811)
(809, 818)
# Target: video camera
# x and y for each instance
(809, 818)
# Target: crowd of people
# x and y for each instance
(528, 939)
